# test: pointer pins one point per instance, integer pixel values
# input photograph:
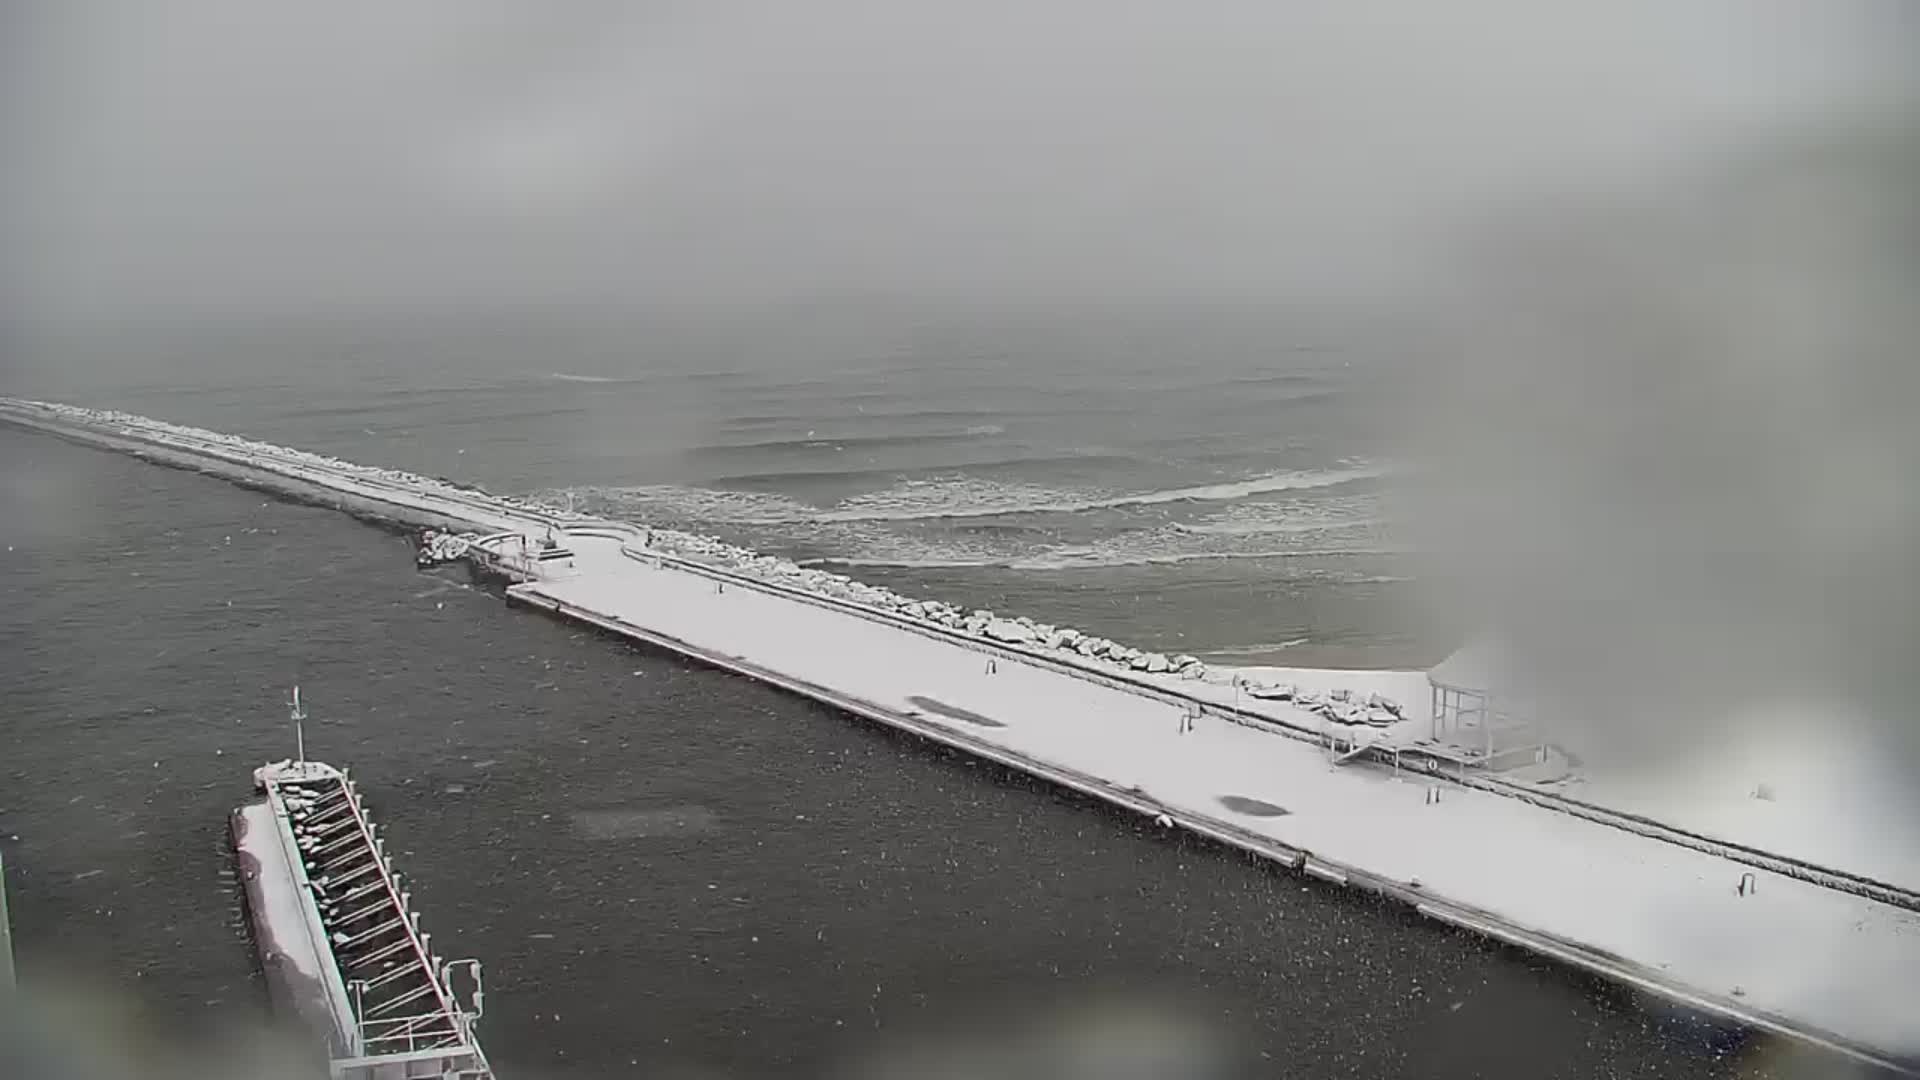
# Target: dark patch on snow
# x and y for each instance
(1240, 804)
(954, 712)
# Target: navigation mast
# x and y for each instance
(298, 716)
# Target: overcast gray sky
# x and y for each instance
(216, 157)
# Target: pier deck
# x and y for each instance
(1788, 955)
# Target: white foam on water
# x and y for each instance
(903, 563)
(1101, 560)
(1278, 528)
(948, 497)
(1289, 517)
(691, 504)
(901, 527)
(964, 497)
(1093, 559)
(1259, 650)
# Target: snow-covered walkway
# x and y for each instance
(1789, 953)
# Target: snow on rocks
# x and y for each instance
(438, 547)
(1011, 631)
(1018, 631)
(1338, 705)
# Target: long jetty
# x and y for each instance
(1811, 953)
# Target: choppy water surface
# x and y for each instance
(1214, 483)
(667, 870)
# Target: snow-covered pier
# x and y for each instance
(338, 938)
(1329, 772)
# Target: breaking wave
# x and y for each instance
(1099, 560)
(949, 523)
(904, 563)
(926, 500)
(675, 503)
(779, 448)
(1289, 518)
(1259, 650)
(1104, 560)
(964, 497)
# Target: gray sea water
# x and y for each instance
(673, 871)
(1199, 481)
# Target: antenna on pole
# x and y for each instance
(299, 732)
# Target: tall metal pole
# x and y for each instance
(6, 933)
(299, 731)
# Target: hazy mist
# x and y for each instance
(1647, 260)
(1643, 272)
(226, 158)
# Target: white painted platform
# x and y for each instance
(1818, 963)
